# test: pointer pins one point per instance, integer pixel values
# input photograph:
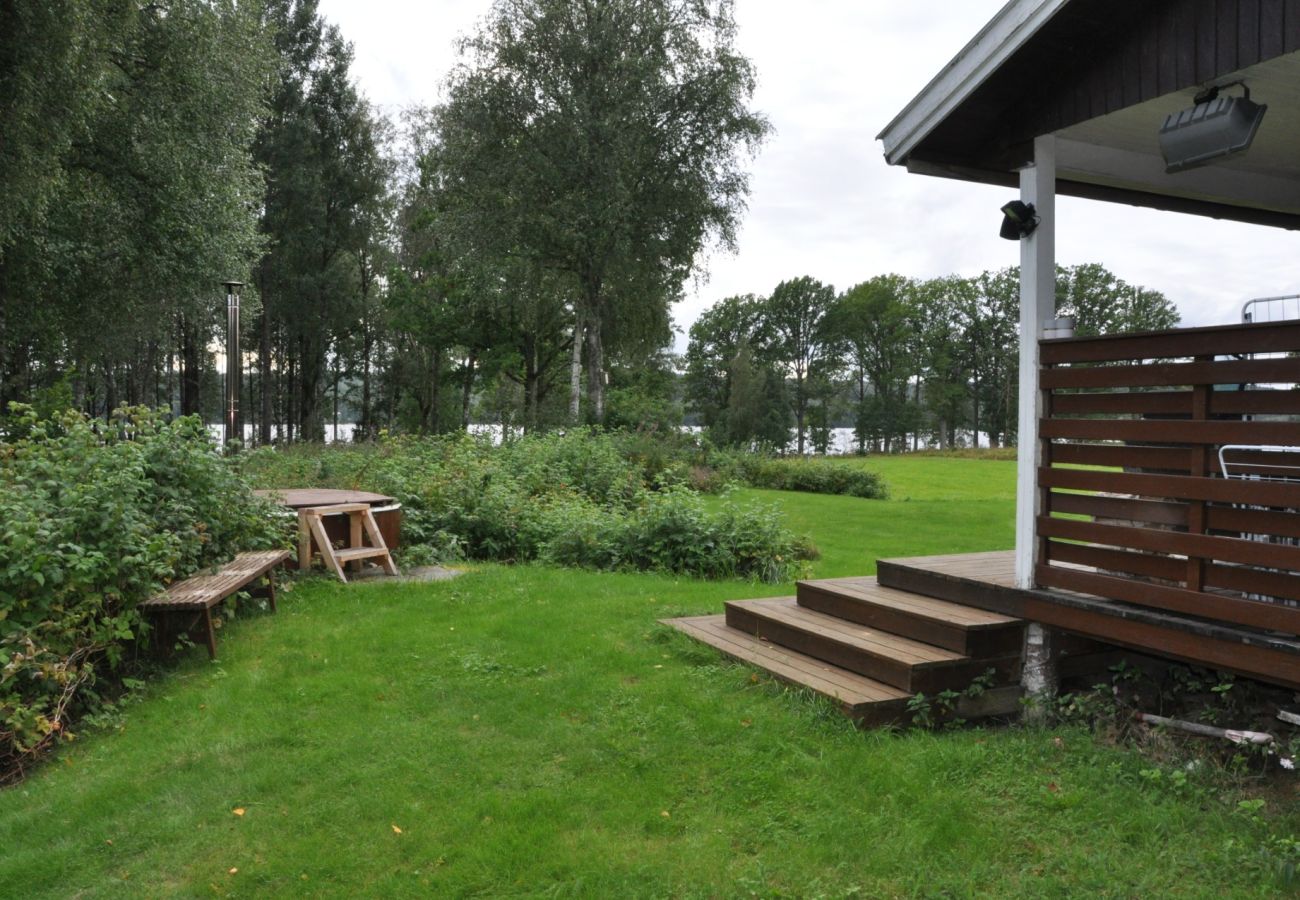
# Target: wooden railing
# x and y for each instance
(1136, 505)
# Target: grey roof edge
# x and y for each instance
(1004, 34)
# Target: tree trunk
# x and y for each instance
(596, 370)
(367, 423)
(190, 371)
(338, 376)
(467, 390)
(575, 371)
(264, 373)
(800, 410)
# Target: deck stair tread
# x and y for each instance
(869, 589)
(787, 611)
(846, 687)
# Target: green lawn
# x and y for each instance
(533, 731)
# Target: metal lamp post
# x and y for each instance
(233, 424)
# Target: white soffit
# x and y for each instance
(1122, 149)
(1006, 33)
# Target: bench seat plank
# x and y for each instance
(207, 590)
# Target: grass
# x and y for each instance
(534, 732)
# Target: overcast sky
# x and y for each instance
(832, 74)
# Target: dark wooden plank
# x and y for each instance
(1219, 490)
(1206, 34)
(1178, 343)
(1225, 44)
(1162, 402)
(1148, 41)
(1233, 372)
(1166, 33)
(1271, 24)
(1204, 546)
(936, 622)
(1248, 36)
(1120, 456)
(1170, 431)
(1248, 580)
(1279, 402)
(1145, 564)
(1184, 41)
(1249, 520)
(1193, 603)
(1244, 659)
(1155, 512)
(1291, 29)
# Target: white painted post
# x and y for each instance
(1037, 308)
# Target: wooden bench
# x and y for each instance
(197, 595)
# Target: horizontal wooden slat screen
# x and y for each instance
(1136, 507)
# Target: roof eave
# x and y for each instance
(1005, 33)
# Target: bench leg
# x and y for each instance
(211, 635)
(304, 543)
(270, 588)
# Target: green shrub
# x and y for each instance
(815, 476)
(94, 519)
(586, 499)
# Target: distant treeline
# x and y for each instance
(906, 362)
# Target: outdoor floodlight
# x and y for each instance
(1018, 220)
(1215, 126)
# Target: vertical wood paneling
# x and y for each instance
(1248, 33)
(1271, 25)
(1131, 82)
(1290, 26)
(1185, 45)
(1225, 56)
(1100, 56)
(1168, 55)
(1206, 35)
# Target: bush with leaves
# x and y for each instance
(94, 518)
(588, 499)
(811, 475)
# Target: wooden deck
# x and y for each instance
(930, 624)
(986, 581)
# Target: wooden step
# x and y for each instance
(899, 661)
(352, 553)
(962, 629)
(869, 701)
(979, 580)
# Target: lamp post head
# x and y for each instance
(232, 287)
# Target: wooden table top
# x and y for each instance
(297, 498)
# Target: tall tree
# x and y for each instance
(321, 148)
(796, 312)
(1103, 303)
(716, 338)
(605, 140)
(876, 324)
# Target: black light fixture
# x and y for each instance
(1019, 219)
(1215, 126)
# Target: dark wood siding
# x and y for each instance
(1099, 56)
